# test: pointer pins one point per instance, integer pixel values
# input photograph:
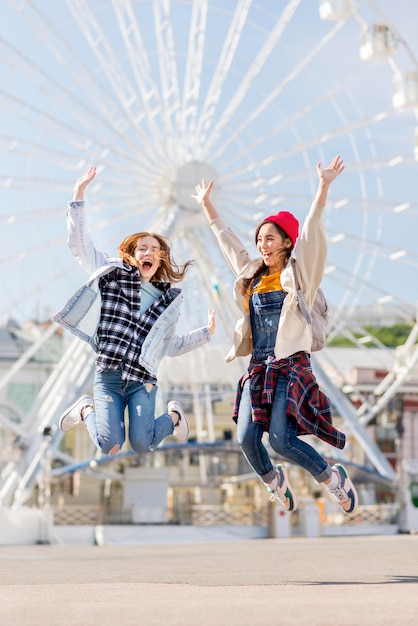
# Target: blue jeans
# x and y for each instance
(282, 438)
(106, 424)
(265, 311)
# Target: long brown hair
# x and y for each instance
(262, 268)
(168, 270)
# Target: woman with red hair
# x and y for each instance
(128, 312)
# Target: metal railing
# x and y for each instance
(226, 514)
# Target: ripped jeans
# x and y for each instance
(106, 424)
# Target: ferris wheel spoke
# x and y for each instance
(271, 97)
(26, 148)
(66, 54)
(193, 71)
(78, 109)
(72, 135)
(382, 249)
(138, 58)
(30, 216)
(323, 138)
(381, 206)
(371, 292)
(125, 92)
(121, 186)
(327, 95)
(220, 73)
(7, 310)
(168, 69)
(252, 74)
(29, 252)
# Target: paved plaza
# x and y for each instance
(368, 580)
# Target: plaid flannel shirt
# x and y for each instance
(305, 401)
(122, 330)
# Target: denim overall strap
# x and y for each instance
(265, 310)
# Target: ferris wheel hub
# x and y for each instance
(186, 179)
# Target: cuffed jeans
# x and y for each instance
(282, 436)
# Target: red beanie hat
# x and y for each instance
(287, 222)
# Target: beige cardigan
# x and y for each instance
(294, 333)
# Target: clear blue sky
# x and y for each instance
(71, 97)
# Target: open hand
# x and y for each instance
(333, 170)
(211, 321)
(82, 183)
(202, 194)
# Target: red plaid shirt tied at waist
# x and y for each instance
(305, 401)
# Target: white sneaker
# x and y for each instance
(283, 492)
(345, 492)
(73, 415)
(181, 431)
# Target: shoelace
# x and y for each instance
(340, 493)
(277, 493)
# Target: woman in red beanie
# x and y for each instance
(279, 393)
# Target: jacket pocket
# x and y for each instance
(80, 305)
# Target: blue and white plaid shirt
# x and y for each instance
(122, 329)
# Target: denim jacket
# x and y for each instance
(81, 313)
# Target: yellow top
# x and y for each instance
(268, 282)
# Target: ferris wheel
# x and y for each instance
(158, 94)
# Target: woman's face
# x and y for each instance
(148, 255)
(272, 246)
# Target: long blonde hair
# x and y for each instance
(168, 270)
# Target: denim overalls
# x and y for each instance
(265, 310)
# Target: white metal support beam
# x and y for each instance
(347, 411)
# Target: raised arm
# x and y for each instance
(202, 196)
(311, 247)
(81, 184)
(232, 248)
(211, 326)
(79, 240)
(326, 176)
